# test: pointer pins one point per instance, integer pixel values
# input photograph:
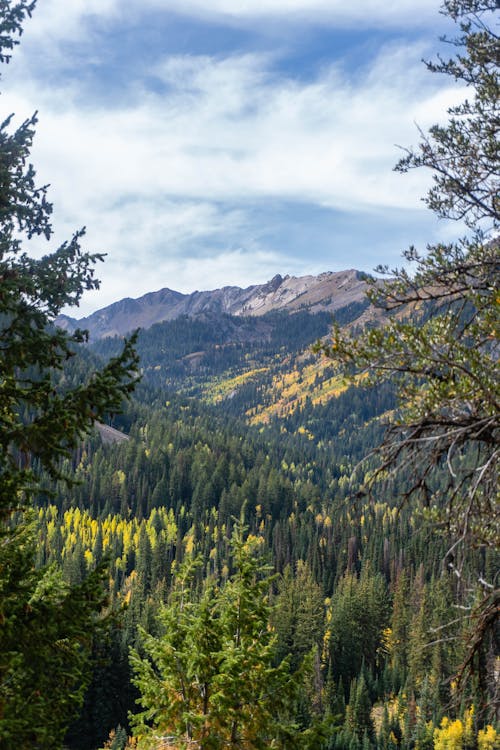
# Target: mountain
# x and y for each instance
(327, 292)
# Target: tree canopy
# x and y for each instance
(440, 345)
(46, 625)
(209, 679)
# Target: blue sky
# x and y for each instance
(213, 142)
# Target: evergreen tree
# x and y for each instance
(298, 615)
(440, 345)
(400, 626)
(46, 634)
(46, 626)
(361, 710)
(209, 677)
(358, 618)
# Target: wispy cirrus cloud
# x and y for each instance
(336, 12)
(58, 18)
(177, 171)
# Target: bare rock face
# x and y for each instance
(327, 292)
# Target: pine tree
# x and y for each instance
(440, 343)
(46, 626)
(298, 614)
(209, 677)
(361, 710)
(46, 635)
(400, 626)
(39, 419)
(359, 614)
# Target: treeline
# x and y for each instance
(222, 342)
(182, 452)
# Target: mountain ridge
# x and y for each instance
(326, 292)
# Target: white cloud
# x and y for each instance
(65, 19)
(335, 12)
(172, 175)
(69, 19)
(231, 131)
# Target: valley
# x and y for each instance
(236, 417)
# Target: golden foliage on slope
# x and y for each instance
(316, 381)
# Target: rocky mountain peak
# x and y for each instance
(329, 291)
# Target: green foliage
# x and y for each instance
(46, 625)
(358, 715)
(464, 154)
(356, 625)
(233, 361)
(209, 677)
(46, 636)
(319, 536)
(228, 652)
(39, 420)
(298, 615)
(440, 345)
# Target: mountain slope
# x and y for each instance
(251, 367)
(327, 292)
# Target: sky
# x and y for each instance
(205, 143)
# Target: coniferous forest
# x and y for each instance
(290, 539)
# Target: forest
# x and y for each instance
(357, 589)
(294, 543)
